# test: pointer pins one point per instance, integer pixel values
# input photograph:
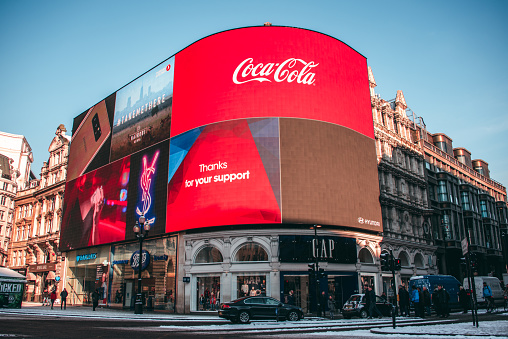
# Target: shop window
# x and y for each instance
(251, 285)
(251, 252)
(365, 256)
(208, 255)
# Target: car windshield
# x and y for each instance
(355, 298)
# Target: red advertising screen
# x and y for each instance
(224, 174)
(271, 72)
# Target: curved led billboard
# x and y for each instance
(265, 125)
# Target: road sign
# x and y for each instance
(464, 246)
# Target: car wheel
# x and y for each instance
(244, 317)
(293, 316)
(363, 314)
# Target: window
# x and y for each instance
(442, 192)
(207, 255)
(446, 225)
(365, 256)
(464, 197)
(1, 215)
(3, 200)
(5, 186)
(483, 208)
(251, 252)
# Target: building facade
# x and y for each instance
(8, 188)
(434, 196)
(403, 190)
(33, 250)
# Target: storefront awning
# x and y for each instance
(51, 275)
(31, 276)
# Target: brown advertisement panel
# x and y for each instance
(329, 175)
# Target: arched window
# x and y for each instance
(251, 252)
(419, 261)
(208, 255)
(404, 260)
(365, 256)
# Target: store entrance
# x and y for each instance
(296, 291)
(208, 293)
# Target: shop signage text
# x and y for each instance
(42, 267)
(10, 288)
(307, 248)
(91, 256)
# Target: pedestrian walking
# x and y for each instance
(426, 300)
(403, 301)
(95, 300)
(463, 299)
(415, 300)
(444, 299)
(370, 300)
(63, 298)
(331, 307)
(487, 294)
(322, 305)
(53, 297)
(291, 298)
(436, 301)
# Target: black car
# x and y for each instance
(355, 306)
(244, 309)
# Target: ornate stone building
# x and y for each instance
(38, 212)
(430, 194)
(403, 189)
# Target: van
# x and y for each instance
(450, 284)
(495, 286)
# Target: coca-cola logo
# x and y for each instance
(290, 70)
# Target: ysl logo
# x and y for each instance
(146, 183)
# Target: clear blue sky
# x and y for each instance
(58, 58)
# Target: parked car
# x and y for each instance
(244, 309)
(355, 306)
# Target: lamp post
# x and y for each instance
(316, 275)
(140, 234)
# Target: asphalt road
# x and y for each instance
(35, 326)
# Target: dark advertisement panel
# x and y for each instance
(271, 72)
(329, 175)
(224, 174)
(143, 111)
(95, 207)
(88, 138)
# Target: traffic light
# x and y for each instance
(321, 273)
(312, 269)
(474, 262)
(386, 262)
(397, 265)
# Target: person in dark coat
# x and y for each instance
(444, 299)
(331, 307)
(322, 305)
(436, 301)
(370, 301)
(291, 298)
(95, 299)
(63, 297)
(426, 300)
(403, 301)
(463, 299)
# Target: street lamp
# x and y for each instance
(316, 274)
(140, 234)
